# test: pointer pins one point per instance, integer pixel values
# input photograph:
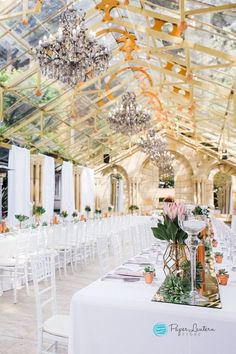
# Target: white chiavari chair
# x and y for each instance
(15, 265)
(55, 328)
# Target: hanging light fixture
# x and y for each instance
(155, 146)
(72, 55)
(129, 118)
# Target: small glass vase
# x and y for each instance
(173, 256)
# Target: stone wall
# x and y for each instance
(192, 173)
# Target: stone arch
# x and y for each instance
(149, 181)
(106, 173)
(183, 174)
(229, 193)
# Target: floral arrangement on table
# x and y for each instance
(88, 210)
(21, 218)
(199, 210)
(38, 211)
(110, 208)
(170, 231)
(75, 215)
(133, 208)
(175, 288)
(63, 214)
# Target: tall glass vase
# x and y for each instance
(193, 226)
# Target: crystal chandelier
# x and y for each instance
(128, 118)
(155, 146)
(72, 55)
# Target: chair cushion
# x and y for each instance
(57, 325)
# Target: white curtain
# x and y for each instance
(48, 187)
(18, 183)
(67, 188)
(87, 188)
(120, 202)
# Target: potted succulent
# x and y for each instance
(149, 274)
(222, 276)
(38, 212)
(21, 218)
(218, 257)
(133, 208)
(214, 242)
(87, 209)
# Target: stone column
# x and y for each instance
(36, 171)
(77, 170)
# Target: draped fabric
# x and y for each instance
(120, 199)
(87, 188)
(67, 188)
(48, 187)
(18, 183)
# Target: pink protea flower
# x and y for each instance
(172, 210)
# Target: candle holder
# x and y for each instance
(193, 225)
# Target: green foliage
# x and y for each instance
(98, 211)
(169, 231)
(149, 269)
(21, 218)
(109, 209)
(74, 214)
(3, 127)
(185, 266)
(175, 289)
(87, 208)
(222, 272)
(64, 214)
(218, 254)
(4, 76)
(133, 207)
(49, 94)
(45, 223)
(38, 211)
(200, 211)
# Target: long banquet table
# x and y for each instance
(117, 317)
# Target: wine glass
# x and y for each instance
(193, 225)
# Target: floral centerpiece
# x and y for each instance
(21, 218)
(75, 216)
(200, 210)
(38, 212)
(170, 231)
(63, 215)
(88, 210)
(98, 213)
(133, 208)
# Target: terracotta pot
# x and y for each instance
(214, 243)
(149, 276)
(223, 279)
(219, 259)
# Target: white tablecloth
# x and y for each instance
(117, 317)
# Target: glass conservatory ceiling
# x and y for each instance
(180, 61)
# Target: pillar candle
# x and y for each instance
(201, 259)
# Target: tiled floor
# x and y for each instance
(18, 321)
